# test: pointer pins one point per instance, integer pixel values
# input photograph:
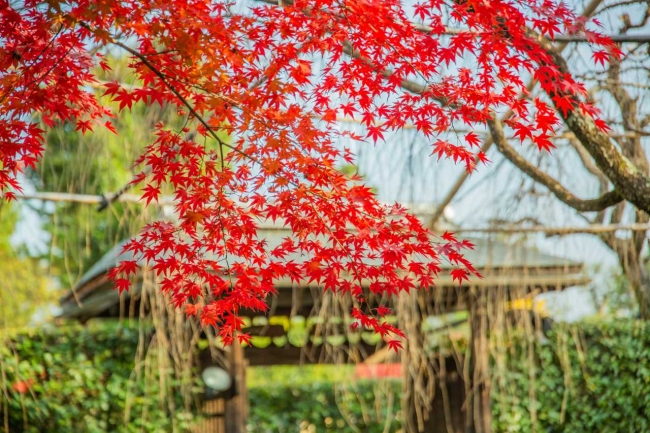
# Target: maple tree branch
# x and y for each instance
(628, 178)
(185, 102)
(621, 38)
(606, 200)
(176, 93)
(221, 143)
(180, 97)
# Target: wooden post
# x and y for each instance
(237, 407)
(478, 414)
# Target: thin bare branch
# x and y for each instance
(564, 195)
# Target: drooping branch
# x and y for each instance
(564, 195)
(603, 182)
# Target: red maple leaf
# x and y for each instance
(600, 57)
(459, 275)
(563, 103)
(394, 345)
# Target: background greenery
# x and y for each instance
(587, 377)
(320, 398)
(362, 406)
(592, 376)
(23, 286)
(94, 163)
(76, 379)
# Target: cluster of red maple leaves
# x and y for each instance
(276, 78)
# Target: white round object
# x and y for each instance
(449, 213)
(217, 379)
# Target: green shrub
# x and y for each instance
(585, 378)
(75, 379)
(362, 406)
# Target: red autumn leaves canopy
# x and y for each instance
(275, 77)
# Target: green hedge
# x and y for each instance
(585, 378)
(362, 406)
(78, 379)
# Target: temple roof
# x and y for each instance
(502, 265)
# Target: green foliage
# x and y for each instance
(591, 377)
(76, 379)
(362, 406)
(23, 288)
(22, 291)
(8, 219)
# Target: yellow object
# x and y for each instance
(536, 305)
(280, 320)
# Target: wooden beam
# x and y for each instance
(321, 354)
(265, 331)
(60, 197)
(558, 231)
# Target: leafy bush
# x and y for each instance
(362, 406)
(76, 379)
(584, 378)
